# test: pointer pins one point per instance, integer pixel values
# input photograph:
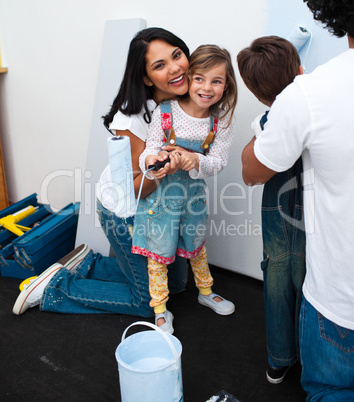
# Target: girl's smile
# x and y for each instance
(206, 89)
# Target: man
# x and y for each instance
(313, 117)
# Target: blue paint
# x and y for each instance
(284, 16)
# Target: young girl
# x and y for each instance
(172, 220)
(119, 284)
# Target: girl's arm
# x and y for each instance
(137, 147)
(215, 160)
(201, 166)
(154, 142)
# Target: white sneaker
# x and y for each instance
(224, 307)
(73, 259)
(167, 326)
(31, 295)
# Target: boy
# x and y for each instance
(268, 66)
(313, 117)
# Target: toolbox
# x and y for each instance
(51, 238)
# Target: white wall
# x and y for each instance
(52, 49)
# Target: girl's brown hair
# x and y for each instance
(206, 57)
(268, 66)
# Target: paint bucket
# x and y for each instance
(149, 365)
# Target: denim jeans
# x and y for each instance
(283, 280)
(108, 284)
(327, 357)
(284, 266)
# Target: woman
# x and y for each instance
(84, 282)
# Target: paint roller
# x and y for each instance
(299, 37)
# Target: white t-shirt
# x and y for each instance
(313, 117)
(256, 126)
(192, 128)
(137, 126)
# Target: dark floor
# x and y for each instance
(55, 357)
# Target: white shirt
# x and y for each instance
(137, 126)
(314, 116)
(192, 128)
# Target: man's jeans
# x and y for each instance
(327, 357)
(107, 284)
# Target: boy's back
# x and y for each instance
(267, 67)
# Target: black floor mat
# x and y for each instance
(60, 357)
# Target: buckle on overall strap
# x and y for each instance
(166, 123)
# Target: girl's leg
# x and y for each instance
(158, 285)
(204, 282)
(201, 272)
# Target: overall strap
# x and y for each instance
(167, 123)
(208, 142)
(264, 120)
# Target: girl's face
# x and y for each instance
(207, 88)
(166, 68)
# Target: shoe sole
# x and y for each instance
(202, 302)
(70, 263)
(20, 305)
(276, 380)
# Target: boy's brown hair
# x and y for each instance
(268, 66)
(206, 57)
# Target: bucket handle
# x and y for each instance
(156, 328)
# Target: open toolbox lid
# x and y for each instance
(49, 231)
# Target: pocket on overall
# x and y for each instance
(276, 242)
(162, 227)
(264, 264)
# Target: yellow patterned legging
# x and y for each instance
(158, 284)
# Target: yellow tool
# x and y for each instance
(9, 222)
(26, 282)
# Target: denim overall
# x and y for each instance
(173, 219)
(283, 266)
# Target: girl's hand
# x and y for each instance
(161, 173)
(190, 160)
(177, 149)
(176, 155)
(175, 163)
(152, 159)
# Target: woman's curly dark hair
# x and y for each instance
(337, 15)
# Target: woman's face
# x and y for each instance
(166, 68)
